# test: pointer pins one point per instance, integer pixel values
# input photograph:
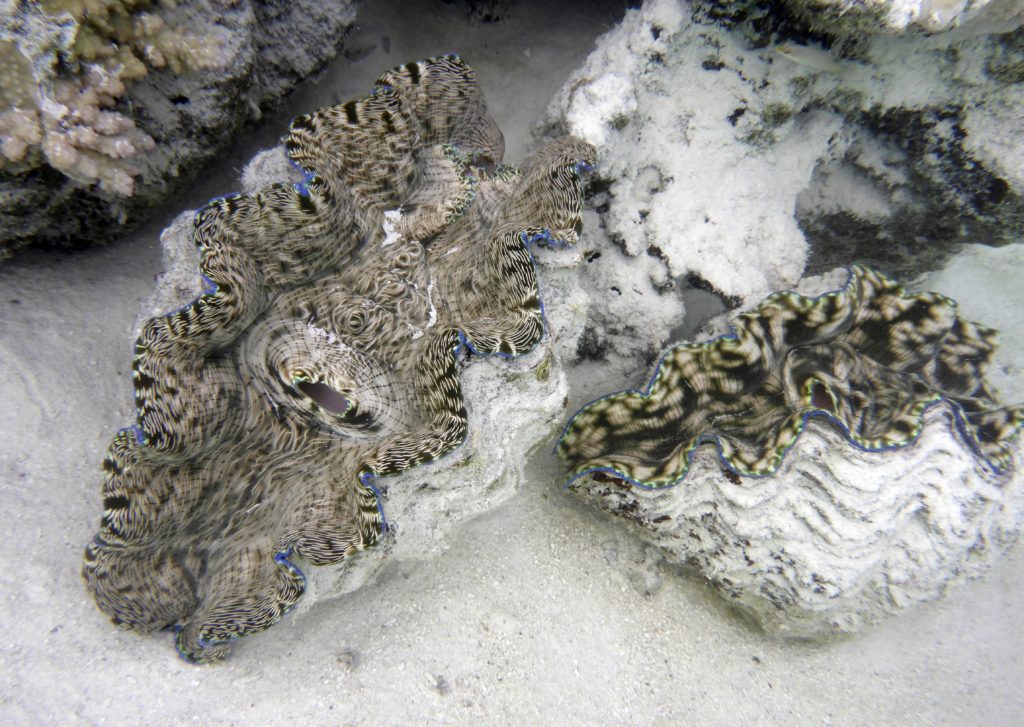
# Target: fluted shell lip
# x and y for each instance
(837, 538)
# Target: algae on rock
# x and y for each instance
(107, 107)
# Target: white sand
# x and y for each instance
(540, 612)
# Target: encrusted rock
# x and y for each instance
(108, 107)
(735, 161)
(898, 16)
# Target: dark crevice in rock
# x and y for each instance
(693, 280)
(947, 198)
(762, 23)
(591, 347)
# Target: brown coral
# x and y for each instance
(70, 119)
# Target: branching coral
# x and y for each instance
(126, 36)
(324, 354)
(63, 108)
(869, 358)
(78, 133)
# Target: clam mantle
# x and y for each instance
(832, 460)
(324, 353)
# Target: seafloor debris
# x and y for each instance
(324, 353)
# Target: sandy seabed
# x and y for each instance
(541, 611)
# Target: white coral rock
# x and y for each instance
(896, 16)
